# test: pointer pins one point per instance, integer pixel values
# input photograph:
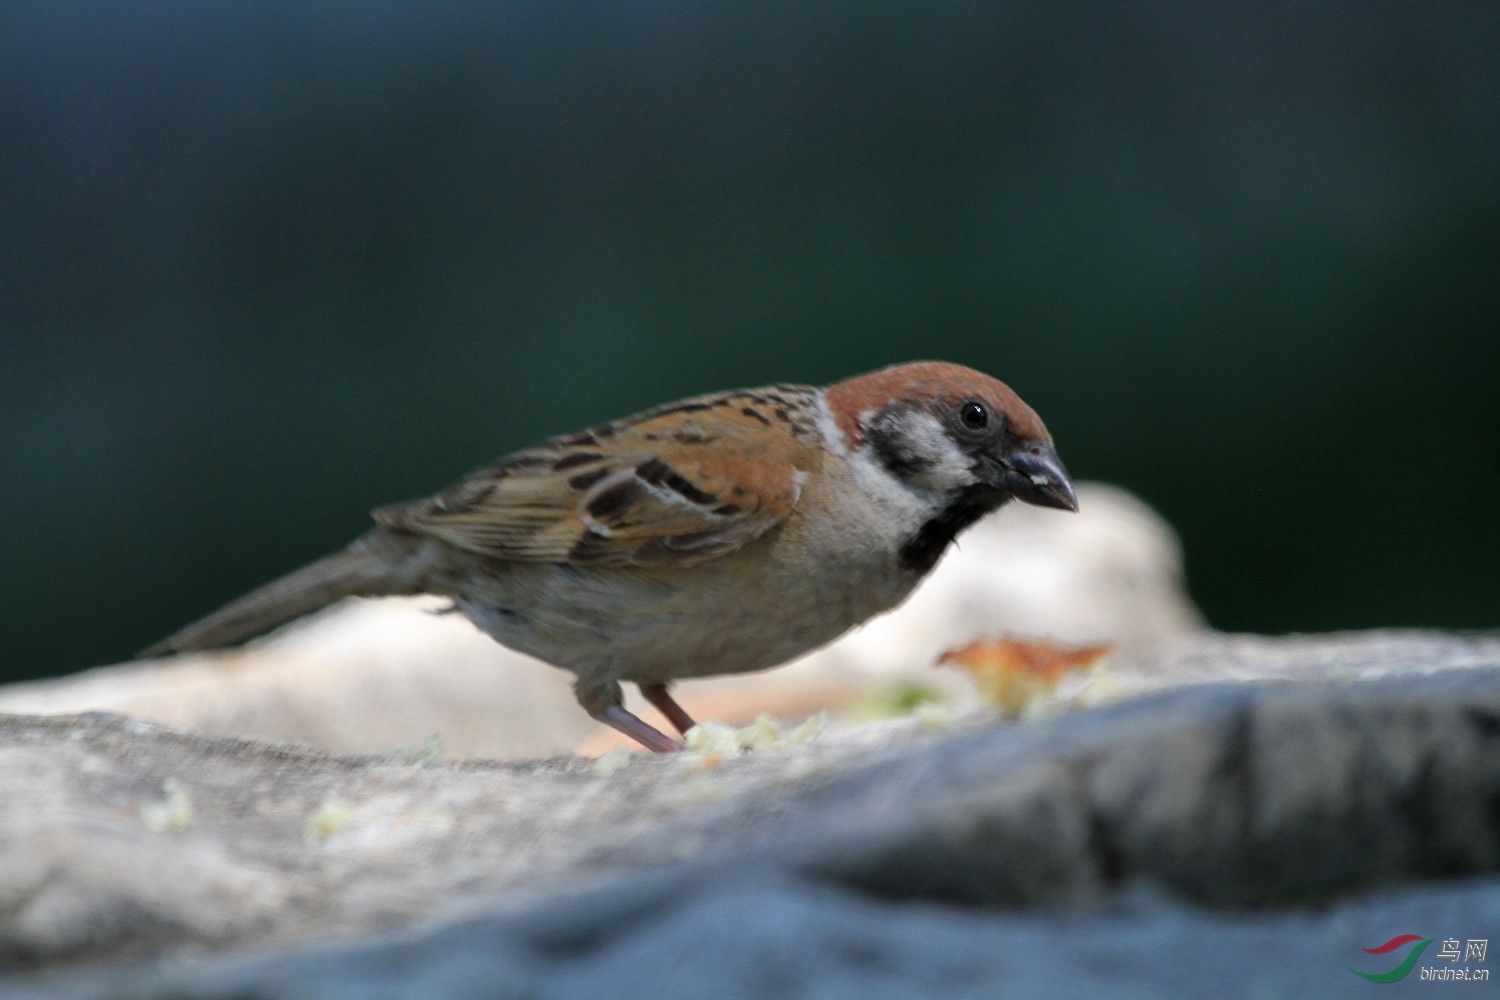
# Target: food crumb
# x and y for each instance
(1101, 688)
(710, 742)
(808, 731)
(934, 716)
(174, 813)
(762, 734)
(329, 818)
(608, 763)
(429, 752)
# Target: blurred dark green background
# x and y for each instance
(264, 265)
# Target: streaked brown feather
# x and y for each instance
(677, 485)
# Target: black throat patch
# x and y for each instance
(922, 551)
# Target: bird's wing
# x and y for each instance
(672, 487)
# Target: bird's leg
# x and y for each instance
(658, 695)
(604, 701)
(648, 736)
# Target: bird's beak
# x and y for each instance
(1036, 475)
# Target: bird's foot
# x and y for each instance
(648, 736)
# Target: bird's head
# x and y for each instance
(961, 438)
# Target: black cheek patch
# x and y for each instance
(894, 451)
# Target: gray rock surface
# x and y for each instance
(754, 935)
(1256, 832)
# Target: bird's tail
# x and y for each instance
(378, 564)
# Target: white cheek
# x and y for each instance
(950, 469)
(887, 506)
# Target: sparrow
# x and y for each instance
(720, 534)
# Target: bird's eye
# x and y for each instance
(974, 416)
